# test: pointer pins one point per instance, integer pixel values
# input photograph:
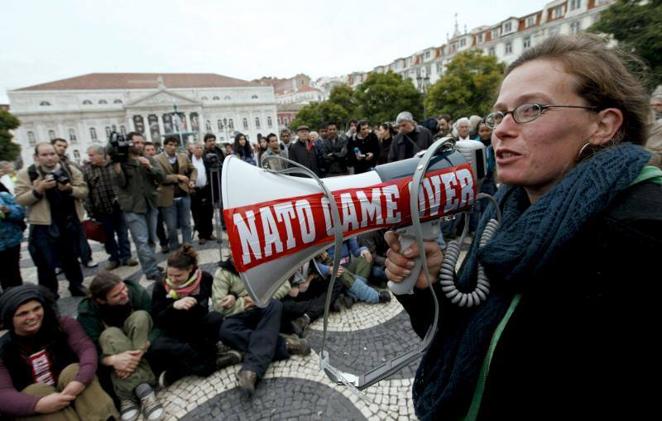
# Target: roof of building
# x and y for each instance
(94, 81)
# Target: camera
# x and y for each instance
(118, 147)
(61, 176)
(212, 160)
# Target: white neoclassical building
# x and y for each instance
(85, 109)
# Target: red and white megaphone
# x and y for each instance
(276, 222)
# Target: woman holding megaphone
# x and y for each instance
(567, 326)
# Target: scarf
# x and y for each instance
(189, 287)
(530, 237)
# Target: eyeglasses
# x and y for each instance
(526, 113)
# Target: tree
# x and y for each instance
(468, 86)
(383, 95)
(9, 150)
(635, 25)
(316, 114)
(343, 96)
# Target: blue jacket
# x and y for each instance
(11, 233)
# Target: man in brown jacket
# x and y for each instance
(174, 200)
(53, 195)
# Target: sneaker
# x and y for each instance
(202, 241)
(300, 324)
(130, 262)
(165, 249)
(212, 237)
(129, 410)
(384, 296)
(111, 265)
(165, 379)
(151, 408)
(297, 346)
(228, 358)
(90, 264)
(247, 380)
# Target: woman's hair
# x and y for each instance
(183, 258)
(389, 128)
(245, 150)
(603, 79)
(102, 283)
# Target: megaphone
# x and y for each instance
(276, 222)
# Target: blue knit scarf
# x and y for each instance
(530, 237)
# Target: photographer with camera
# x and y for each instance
(137, 177)
(54, 197)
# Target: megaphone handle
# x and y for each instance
(431, 230)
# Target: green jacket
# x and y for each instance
(137, 185)
(226, 282)
(89, 315)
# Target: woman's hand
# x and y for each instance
(53, 403)
(185, 303)
(367, 255)
(74, 388)
(400, 262)
(228, 301)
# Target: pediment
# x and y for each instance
(163, 97)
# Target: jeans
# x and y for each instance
(361, 291)
(179, 214)
(143, 227)
(114, 223)
(255, 332)
(52, 245)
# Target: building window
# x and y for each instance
(72, 136)
(427, 55)
(492, 51)
(51, 134)
(204, 98)
(245, 121)
(107, 132)
(480, 38)
(93, 134)
(575, 27)
(219, 123)
(463, 42)
(31, 139)
(557, 12)
(254, 97)
(530, 21)
(123, 130)
(257, 122)
(117, 101)
(269, 122)
(103, 102)
(507, 27)
(208, 126)
(231, 124)
(44, 103)
(526, 43)
(495, 33)
(76, 155)
(87, 102)
(509, 48)
(575, 4)
(216, 98)
(227, 97)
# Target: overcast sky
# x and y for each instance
(47, 40)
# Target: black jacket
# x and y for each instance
(584, 347)
(406, 145)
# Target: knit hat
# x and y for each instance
(14, 297)
(404, 116)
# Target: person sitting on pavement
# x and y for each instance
(47, 363)
(251, 329)
(116, 317)
(180, 308)
(305, 301)
(353, 273)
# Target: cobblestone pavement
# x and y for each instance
(358, 339)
